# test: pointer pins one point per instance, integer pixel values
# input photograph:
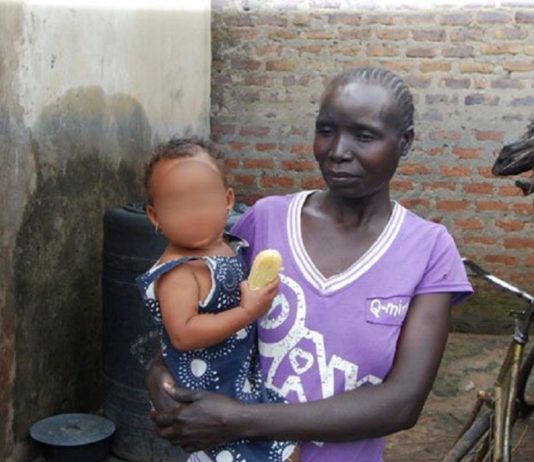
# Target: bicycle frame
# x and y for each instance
(496, 441)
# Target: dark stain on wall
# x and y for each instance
(87, 148)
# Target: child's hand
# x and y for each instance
(258, 301)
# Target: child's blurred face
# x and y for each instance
(190, 202)
(356, 142)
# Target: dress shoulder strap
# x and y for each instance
(146, 279)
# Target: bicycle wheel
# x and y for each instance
(525, 385)
(473, 436)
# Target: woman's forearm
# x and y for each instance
(367, 412)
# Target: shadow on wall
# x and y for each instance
(87, 148)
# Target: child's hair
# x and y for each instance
(386, 79)
(178, 148)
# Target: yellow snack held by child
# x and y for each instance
(265, 268)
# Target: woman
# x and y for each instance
(355, 337)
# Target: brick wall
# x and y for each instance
(471, 71)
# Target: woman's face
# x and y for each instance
(190, 202)
(356, 142)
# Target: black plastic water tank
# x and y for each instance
(131, 247)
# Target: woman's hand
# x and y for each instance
(200, 421)
(258, 301)
(158, 381)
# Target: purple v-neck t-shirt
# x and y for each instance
(324, 336)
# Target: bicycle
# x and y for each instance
(486, 436)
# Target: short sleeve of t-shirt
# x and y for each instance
(445, 270)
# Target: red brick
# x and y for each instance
(414, 169)
(469, 223)
(524, 209)
(439, 185)
(445, 135)
(429, 35)
(282, 34)
(246, 64)
(466, 153)
(507, 83)
(484, 206)
(254, 130)
(519, 66)
(438, 151)
(459, 170)
(519, 243)
(466, 35)
(379, 50)
(478, 188)
(268, 181)
(222, 129)
(486, 240)
(488, 135)
(485, 172)
(415, 203)
(231, 163)
(510, 225)
(456, 19)
(509, 190)
(500, 49)
(510, 33)
(273, 20)
(345, 18)
(248, 33)
(237, 146)
(401, 185)
(392, 34)
(459, 51)
(313, 183)
(457, 83)
(258, 163)
(421, 52)
(529, 260)
(281, 65)
(493, 17)
(503, 259)
(435, 66)
(419, 19)
(476, 68)
(452, 205)
(270, 49)
(245, 180)
(298, 165)
(302, 149)
(385, 19)
(524, 17)
(311, 49)
(319, 34)
(265, 147)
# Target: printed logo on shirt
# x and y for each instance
(387, 310)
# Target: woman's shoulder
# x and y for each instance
(417, 221)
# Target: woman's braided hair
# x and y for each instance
(382, 77)
(177, 148)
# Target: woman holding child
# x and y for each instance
(355, 336)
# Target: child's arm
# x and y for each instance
(178, 294)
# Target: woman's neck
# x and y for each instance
(354, 212)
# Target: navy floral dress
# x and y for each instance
(230, 367)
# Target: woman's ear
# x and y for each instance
(406, 141)
(230, 199)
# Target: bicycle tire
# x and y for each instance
(525, 389)
(471, 437)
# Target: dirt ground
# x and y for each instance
(470, 363)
